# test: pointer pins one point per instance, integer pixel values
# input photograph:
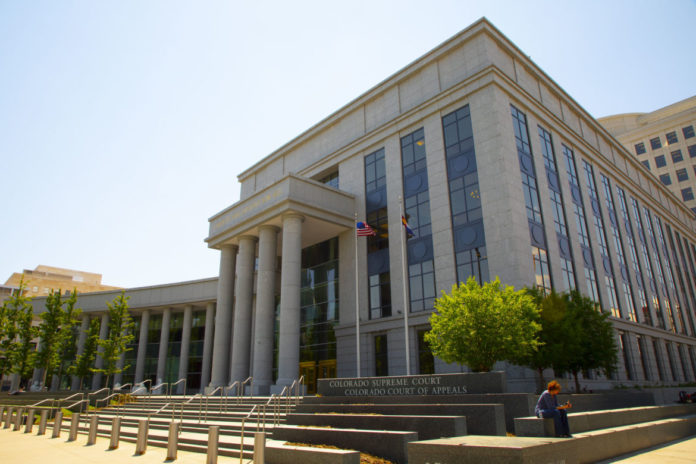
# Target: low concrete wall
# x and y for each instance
(427, 427)
(385, 444)
(279, 453)
(481, 419)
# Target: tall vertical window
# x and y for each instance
(195, 355)
(658, 269)
(620, 254)
(465, 198)
(176, 325)
(559, 217)
(648, 265)
(670, 357)
(426, 360)
(659, 361)
(628, 227)
(378, 277)
(643, 360)
(131, 355)
(624, 351)
(381, 356)
(601, 235)
(542, 274)
(657, 224)
(421, 271)
(684, 280)
(581, 225)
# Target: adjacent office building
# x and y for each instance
(665, 142)
(498, 171)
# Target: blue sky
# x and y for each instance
(124, 124)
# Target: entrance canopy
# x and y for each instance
(327, 212)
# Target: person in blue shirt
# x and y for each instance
(548, 408)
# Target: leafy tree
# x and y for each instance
(552, 338)
(49, 354)
(479, 326)
(69, 332)
(120, 335)
(18, 346)
(589, 338)
(84, 361)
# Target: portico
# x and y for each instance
(278, 221)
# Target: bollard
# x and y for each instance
(42, 422)
(141, 443)
(259, 447)
(74, 426)
(173, 440)
(115, 433)
(2, 412)
(92, 437)
(213, 432)
(30, 421)
(18, 419)
(8, 417)
(57, 422)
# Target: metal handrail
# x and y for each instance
(240, 391)
(98, 391)
(171, 386)
(228, 389)
(43, 401)
(96, 403)
(158, 386)
(142, 384)
(172, 404)
(123, 386)
(182, 408)
(241, 438)
(221, 389)
(76, 403)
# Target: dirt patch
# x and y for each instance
(364, 457)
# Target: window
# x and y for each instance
(687, 194)
(640, 148)
(688, 132)
(682, 175)
(381, 356)
(677, 156)
(692, 151)
(666, 179)
(655, 143)
(426, 361)
(672, 138)
(331, 179)
(380, 295)
(660, 161)
(646, 163)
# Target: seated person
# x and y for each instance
(548, 408)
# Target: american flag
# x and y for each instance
(364, 229)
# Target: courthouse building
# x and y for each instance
(500, 173)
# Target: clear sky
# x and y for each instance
(124, 124)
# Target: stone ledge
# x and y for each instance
(277, 452)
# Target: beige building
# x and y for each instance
(664, 142)
(43, 279)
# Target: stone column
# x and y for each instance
(185, 344)
(142, 346)
(207, 344)
(289, 336)
(223, 317)
(118, 377)
(244, 293)
(84, 327)
(99, 361)
(265, 306)
(164, 342)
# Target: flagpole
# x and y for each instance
(357, 302)
(407, 302)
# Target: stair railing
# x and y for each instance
(240, 391)
(228, 389)
(123, 386)
(171, 387)
(52, 400)
(220, 389)
(142, 384)
(181, 417)
(159, 386)
(241, 439)
(173, 405)
(81, 395)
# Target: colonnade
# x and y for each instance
(235, 344)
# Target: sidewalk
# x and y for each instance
(29, 448)
(18, 447)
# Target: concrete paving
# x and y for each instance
(18, 447)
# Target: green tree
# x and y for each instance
(552, 339)
(479, 326)
(84, 361)
(50, 348)
(69, 333)
(589, 338)
(120, 335)
(18, 347)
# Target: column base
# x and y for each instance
(280, 384)
(261, 390)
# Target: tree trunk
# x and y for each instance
(540, 380)
(577, 382)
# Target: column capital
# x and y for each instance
(269, 227)
(228, 246)
(253, 238)
(293, 216)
